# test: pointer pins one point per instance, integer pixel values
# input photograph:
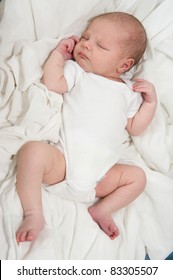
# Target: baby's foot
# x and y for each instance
(32, 224)
(104, 220)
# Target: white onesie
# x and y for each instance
(94, 114)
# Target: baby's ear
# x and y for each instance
(127, 64)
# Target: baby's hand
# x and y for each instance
(66, 46)
(147, 90)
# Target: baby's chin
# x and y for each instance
(84, 64)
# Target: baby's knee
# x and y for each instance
(31, 149)
(140, 177)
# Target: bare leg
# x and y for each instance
(38, 162)
(121, 185)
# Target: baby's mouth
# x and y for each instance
(83, 56)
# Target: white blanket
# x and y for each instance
(29, 30)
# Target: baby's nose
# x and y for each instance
(87, 45)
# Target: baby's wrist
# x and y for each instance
(59, 57)
(150, 105)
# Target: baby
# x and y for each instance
(99, 108)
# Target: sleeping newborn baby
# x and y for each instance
(99, 109)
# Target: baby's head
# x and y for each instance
(111, 44)
(131, 30)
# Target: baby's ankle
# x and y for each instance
(33, 212)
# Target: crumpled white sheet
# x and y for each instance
(29, 30)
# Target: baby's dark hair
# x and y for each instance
(134, 37)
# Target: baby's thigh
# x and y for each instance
(55, 168)
(44, 159)
(120, 175)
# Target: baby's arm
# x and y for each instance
(53, 70)
(145, 114)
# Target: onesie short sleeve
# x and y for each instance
(72, 72)
(135, 100)
(135, 103)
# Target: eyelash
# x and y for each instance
(100, 46)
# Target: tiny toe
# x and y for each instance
(22, 236)
(31, 236)
(114, 235)
(113, 232)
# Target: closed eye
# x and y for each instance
(102, 47)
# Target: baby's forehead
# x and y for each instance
(101, 24)
(104, 32)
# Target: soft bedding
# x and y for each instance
(29, 30)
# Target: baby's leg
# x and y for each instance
(37, 163)
(120, 186)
